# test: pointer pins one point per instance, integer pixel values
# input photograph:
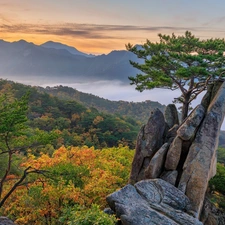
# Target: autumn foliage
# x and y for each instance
(75, 178)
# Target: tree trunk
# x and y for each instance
(184, 110)
(185, 107)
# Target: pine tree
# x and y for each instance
(179, 62)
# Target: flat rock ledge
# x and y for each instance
(152, 202)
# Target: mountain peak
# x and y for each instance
(58, 45)
(22, 41)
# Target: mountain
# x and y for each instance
(139, 111)
(57, 45)
(70, 121)
(23, 59)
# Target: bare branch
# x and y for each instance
(8, 165)
(18, 149)
(196, 94)
(18, 183)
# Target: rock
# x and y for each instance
(215, 89)
(150, 139)
(6, 221)
(156, 164)
(212, 89)
(170, 176)
(213, 166)
(198, 167)
(188, 129)
(207, 97)
(108, 211)
(171, 115)
(132, 209)
(183, 156)
(169, 195)
(173, 155)
(172, 132)
(151, 202)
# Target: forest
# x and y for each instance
(72, 122)
(138, 110)
(59, 159)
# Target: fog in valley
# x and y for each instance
(109, 89)
(113, 90)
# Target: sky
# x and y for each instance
(100, 26)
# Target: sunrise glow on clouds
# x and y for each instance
(100, 26)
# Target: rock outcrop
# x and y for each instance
(182, 156)
(171, 115)
(151, 202)
(150, 139)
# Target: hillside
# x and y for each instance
(74, 124)
(72, 180)
(84, 118)
(137, 110)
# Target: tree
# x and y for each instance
(13, 140)
(179, 62)
(80, 177)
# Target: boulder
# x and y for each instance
(156, 164)
(6, 221)
(212, 89)
(207, 97)
(170, 176)
(216, 86)
(171, 115)
(150, 139)
(171, 133)
(199, 165)
(151, 202)
(173, 155)
(188, 129)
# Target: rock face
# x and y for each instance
(150, 139)
(170, 176)
(174, 153)
(183, 156)
(199, 164)
(171, 115)
(6, 221)
(188, 129)
(155, 167)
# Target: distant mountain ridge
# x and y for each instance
(58, 45)
(139, 111)
(21, 58)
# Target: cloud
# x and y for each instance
(4, 19)
(215, 21)
(92, 31)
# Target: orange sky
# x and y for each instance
(100, 26)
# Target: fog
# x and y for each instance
(112, 90)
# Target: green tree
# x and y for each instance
(219, 180)
(221, 155)
(83, 216)
(179, 62)
(13, 141)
